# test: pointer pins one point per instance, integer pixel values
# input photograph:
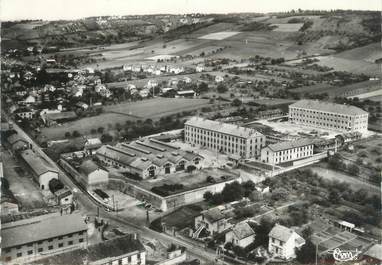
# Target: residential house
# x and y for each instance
(151, 84)
(92, 144)
(219, 79)
(199, 68)
(9, 204)
(283, 242)
(186, 94)
(92, 174)
(17, 142)
(144, 93)
(241, 234)
(24, 113)
(64, 196)
(213, 220)
(82, 105)
(29, 100)
(41, 169)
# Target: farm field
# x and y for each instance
(350, 65)
(219, 35)
(152, 108)
(156, 107)
(288, 27)
(368, 53)
(369, 95)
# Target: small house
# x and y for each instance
(283, 242)
(92, 174)
(241, 235)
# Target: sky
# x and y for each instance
(73, 9)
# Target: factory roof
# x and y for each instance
(286, 145)
(36, 163)
(38, 228)
(221, 127)
(328, 107)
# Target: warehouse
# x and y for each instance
(41, 170)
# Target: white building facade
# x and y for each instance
(223, 137)
(287, 151)
(327, 115)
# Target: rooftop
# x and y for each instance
(61, 115)
(15, 138)
(225, 128)
(36, 163)
(281, 233)
(289, 144)
(108, 249)
(328, 107)
(88, 166)
(213, 215)
(242, 230)
(35, 229)
(375, 252)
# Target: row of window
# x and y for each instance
(41, 249)
(294, 110)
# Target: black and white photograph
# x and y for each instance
(191, 132)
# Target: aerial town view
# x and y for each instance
(169, 132)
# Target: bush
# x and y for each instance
(55, 185)
(191, 168)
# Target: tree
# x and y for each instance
(76, 134)
(207, 195)
(191, 168)
(67, 135)
(106, 138)
(279, 193)
(221, 88)
(262, 230)
(236, 102)
(232, 192)
(55, 185)
(100, 129)
(353, 169)
(307, 253)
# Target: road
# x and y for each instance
(91, 207)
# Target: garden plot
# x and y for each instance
(219, 35)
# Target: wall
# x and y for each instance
(45, 178)
(169, 202)
(173, 261)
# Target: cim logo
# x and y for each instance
(345, 255)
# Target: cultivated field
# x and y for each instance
(219, 35)
(350, 65)
(120, 113)
(288, 27)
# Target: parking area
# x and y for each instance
(21, 183)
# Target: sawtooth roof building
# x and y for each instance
(328, 115)
(147, 158)
(224, 137)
